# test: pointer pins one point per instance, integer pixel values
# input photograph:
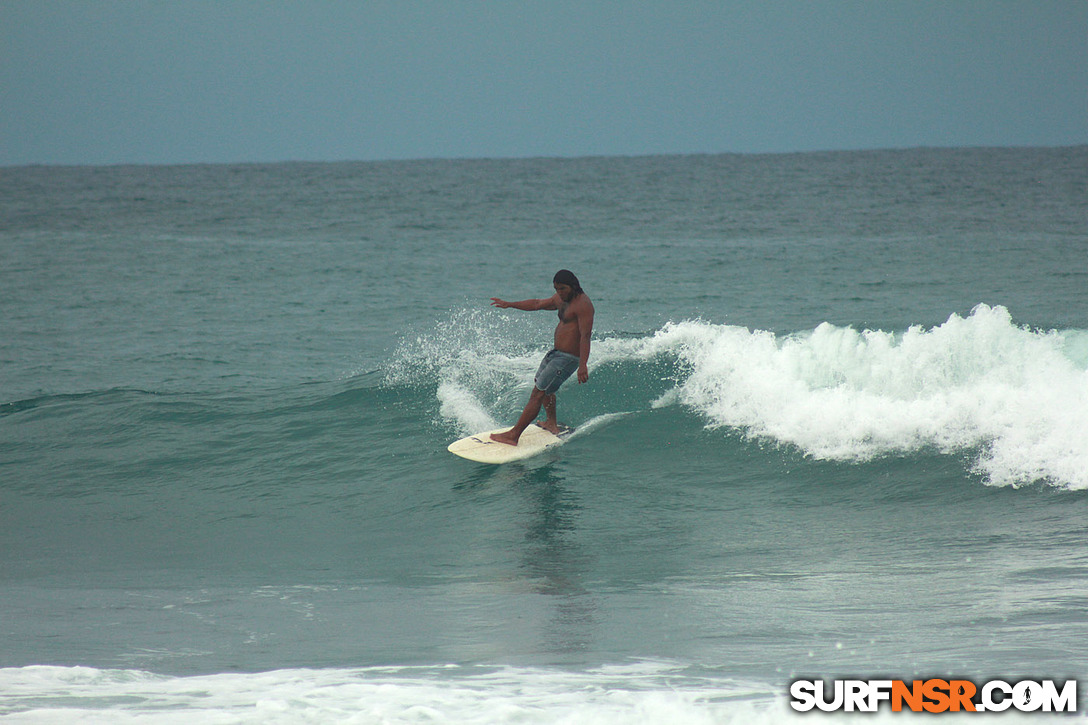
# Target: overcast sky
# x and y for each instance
(175, 81)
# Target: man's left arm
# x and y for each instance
(585, 331)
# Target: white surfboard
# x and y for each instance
(533, 440)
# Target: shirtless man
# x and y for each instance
(571, 351)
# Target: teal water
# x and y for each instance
(834, 426)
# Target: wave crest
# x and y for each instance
(979, 382)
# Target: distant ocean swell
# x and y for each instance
(1015, 399)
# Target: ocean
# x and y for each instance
(836, 426)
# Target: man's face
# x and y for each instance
(565, 291)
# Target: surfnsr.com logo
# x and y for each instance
(934, 695)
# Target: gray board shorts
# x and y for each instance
(554, 369)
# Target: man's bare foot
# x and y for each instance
(508, 438)
(550, 426)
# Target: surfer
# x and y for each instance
(571, 351)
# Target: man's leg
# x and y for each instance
(550, 422)
(532, 409)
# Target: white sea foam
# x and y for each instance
(475, 360)
(1016, 396)
(640, 693)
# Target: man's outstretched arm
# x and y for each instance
(551, 303)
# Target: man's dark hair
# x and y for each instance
(565, 276)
